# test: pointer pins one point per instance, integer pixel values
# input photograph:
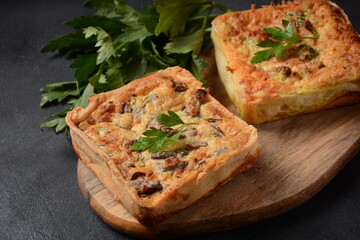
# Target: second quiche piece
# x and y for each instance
(312, 75)
(154, 185)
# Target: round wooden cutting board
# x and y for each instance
(300, 155)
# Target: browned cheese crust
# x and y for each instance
(315, 74)
(153, 186)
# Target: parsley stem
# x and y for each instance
(211, 16)
(120, 46)
(180, 128)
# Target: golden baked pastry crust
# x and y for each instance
(295, 84)
(153, 186)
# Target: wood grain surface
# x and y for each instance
(300, 155)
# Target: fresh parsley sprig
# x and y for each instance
(156, 139)
(285, 39)
(119, 44)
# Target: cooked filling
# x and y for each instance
(117, 123)
(331, 59)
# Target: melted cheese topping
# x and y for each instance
(335, 60)
(120, 119)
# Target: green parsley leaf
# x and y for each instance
(132, 33)
(185, 44)
(156, 139)
(57, 92)
(83, 101)
(70, 44)
(289, 28)
(197, 65)
(59, 125)
(169, 120)
(262, 55)
(278, 51)
(154, 132)
(61, 113)
(106, 8)
(104, 41)
(111, 8)
(85, 67)
(267, 43)
(149, 18)
(111, 26)
(285, 39)
(114, 76)
(132, 60)
(155, 59)
(98, 80)
(173, 15)
(190, 43)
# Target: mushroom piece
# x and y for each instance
(162, 155)
(193, 107)
(194, 146)
(145, 187)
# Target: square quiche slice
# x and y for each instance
(154, 186)
(314, 74)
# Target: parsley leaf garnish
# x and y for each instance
(156, 139)
(169, 120)
(119, 44)
(285, 39)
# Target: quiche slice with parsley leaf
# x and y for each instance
(161, 143)
(287, 59)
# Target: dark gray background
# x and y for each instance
(39, 193)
